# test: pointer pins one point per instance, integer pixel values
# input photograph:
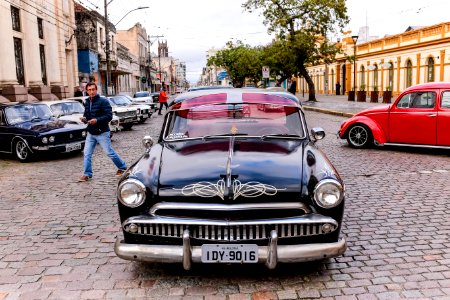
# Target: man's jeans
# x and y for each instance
(105, 142)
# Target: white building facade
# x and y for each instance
(38, 52)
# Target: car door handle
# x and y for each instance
(432, 115)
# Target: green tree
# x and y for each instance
(304, 25)
(241, 61)
(278, 56)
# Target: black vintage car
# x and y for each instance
(229, 183)
(27, 129)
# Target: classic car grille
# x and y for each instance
(229, 232)
(126, 114)
(68, 136)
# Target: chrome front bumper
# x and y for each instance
(270, 255)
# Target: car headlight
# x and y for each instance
(83, 133)
(131, 192)
(44, 140)
(51, 139)
(328, 193)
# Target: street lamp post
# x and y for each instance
(355, 39)
(107, 50)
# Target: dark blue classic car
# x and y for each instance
(27, 129)
(230, 183)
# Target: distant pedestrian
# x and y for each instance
(97, 114)
(293, 87)
(338, 88)
(163, 100)
(78, 92)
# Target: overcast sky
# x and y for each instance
(191, 27)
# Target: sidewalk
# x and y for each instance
(335, 105)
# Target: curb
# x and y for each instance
(328, 111)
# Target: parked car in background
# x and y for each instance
(155, 96)
(419, 117)
(66, 110)
(29, 129)
(225, 186)
(144, 111)
(128, 115)
(144, 97)
(208, 87)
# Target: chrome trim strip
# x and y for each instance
(307, 219)
(415, 146)
(174, 254)
(228, 207)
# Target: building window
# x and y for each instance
(430, 70)
(390, 77)
(375, 78)
(40, 28)
(408, 73)
(362, 85)
(15, 17)
(19, 61)
(43, 69)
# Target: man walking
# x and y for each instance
(163, 100)
(97, 114)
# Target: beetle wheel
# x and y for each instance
(359, 136)
(21, 150)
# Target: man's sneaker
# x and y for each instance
(84, 178)
(120, 172)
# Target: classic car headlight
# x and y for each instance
(83, 133)
(44, 140)
(328, 193)
(131, 193)
(51, 139)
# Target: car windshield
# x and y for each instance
(27, 113)
(248, 119)
(141, 94)
(120, 101)
(66, 108)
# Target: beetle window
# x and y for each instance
(445, 103)
(418, 100)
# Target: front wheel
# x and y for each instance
(359, 136)
(22, 151)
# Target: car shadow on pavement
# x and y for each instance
(230, 271)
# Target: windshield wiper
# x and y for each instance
(222, 135)
(280, 135)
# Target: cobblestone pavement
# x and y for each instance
(57, 235)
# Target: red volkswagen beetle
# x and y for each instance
(420, 116)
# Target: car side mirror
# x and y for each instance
(317, 133)
(147, 141)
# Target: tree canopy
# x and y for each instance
(302, 27)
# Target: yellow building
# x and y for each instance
(391, 63)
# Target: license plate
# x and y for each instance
(230, 253)
(73, 147)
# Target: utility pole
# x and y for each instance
(108, 65)
(150, 59)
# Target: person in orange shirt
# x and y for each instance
(163, 100)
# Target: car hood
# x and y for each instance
(72, 118)
(253, 168)
(375, 109)
(51, 126)
(120, 109)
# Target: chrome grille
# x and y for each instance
(227, 232)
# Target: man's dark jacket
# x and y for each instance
(100, 109)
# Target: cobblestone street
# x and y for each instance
(57, 235)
